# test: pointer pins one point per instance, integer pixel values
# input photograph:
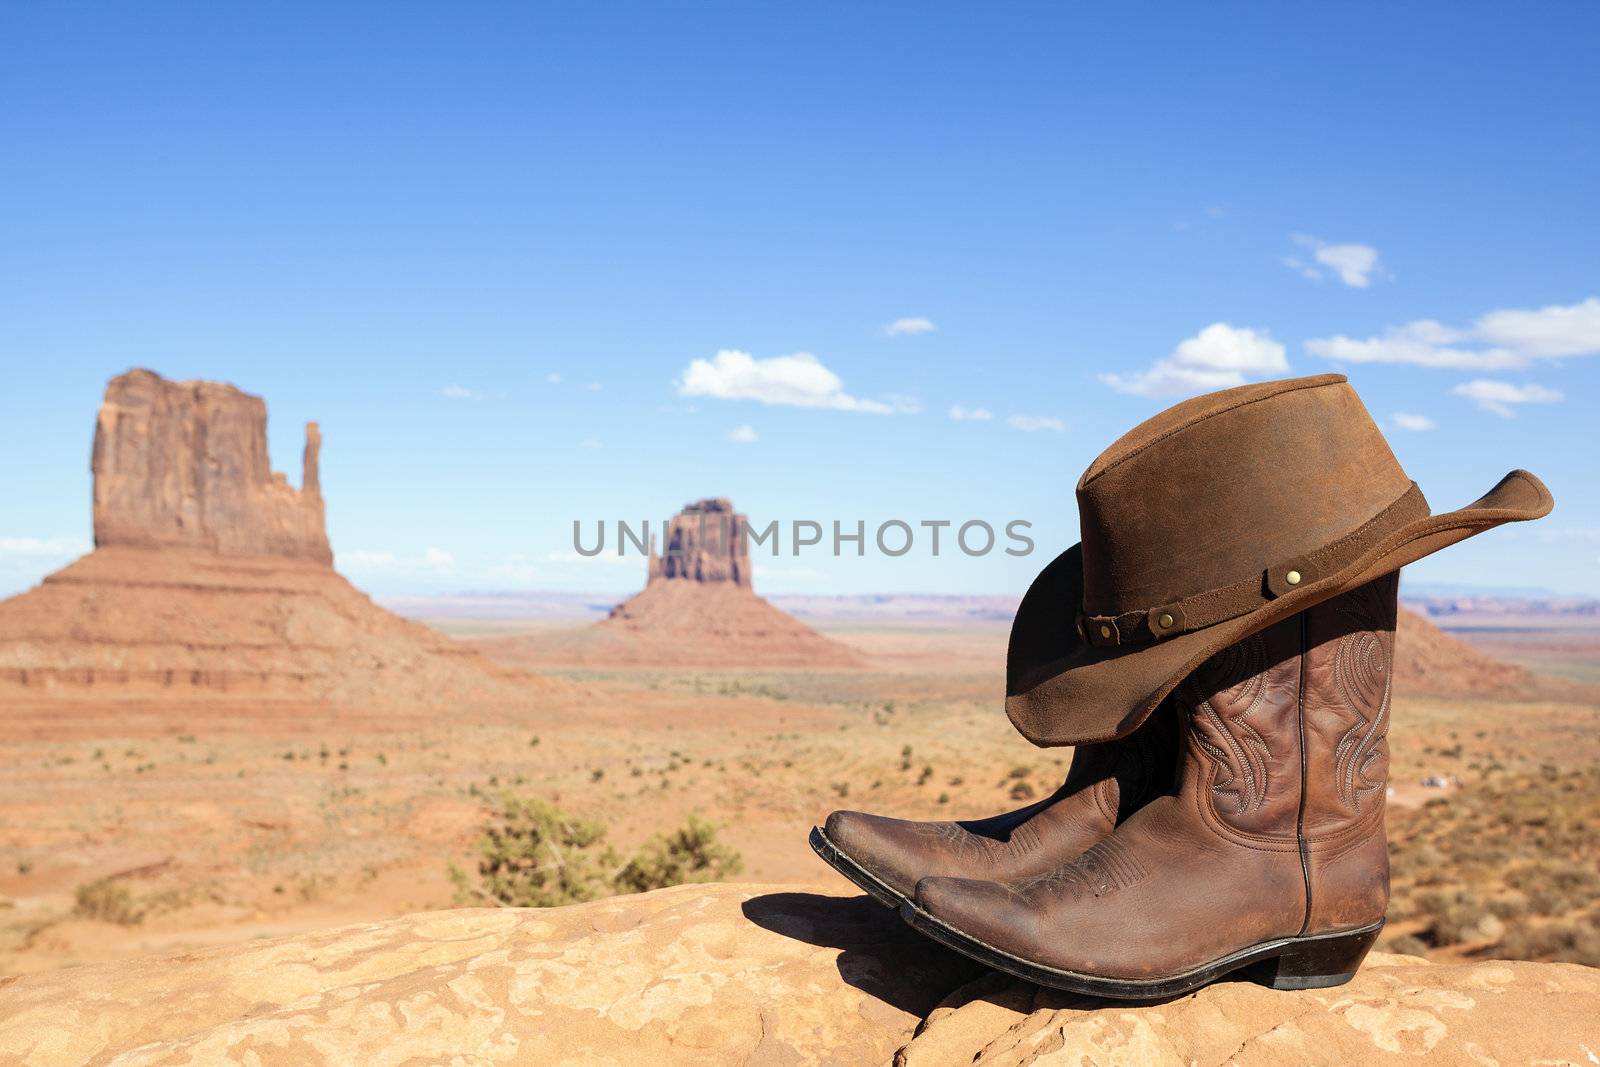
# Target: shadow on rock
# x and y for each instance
(878, 954)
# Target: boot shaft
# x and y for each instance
(1121, 776)
(1287, 731)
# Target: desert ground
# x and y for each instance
(139, 825)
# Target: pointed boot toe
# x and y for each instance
(962, 911)
(875, 852)
(1106, 783)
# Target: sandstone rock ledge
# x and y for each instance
(744, 974)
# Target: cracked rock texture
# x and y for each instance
(744, 974)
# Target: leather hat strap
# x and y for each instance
(1248, 594)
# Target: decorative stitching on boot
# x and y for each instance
(1227, 689)
(1364, 676)
(1105, 868)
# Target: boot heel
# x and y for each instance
(1319, 962)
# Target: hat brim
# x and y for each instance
(1060, 690)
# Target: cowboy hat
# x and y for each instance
(1208, 523)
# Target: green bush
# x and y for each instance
(531, 854)
(109, 901)
(688, 854)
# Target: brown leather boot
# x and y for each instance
(1270, 854)
(1105, 784)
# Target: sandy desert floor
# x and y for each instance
(224, 822)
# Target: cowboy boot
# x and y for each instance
(1270, 853)
(1105, 784)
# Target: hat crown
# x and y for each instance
(1224, 486)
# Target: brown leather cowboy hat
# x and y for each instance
(1210, 522)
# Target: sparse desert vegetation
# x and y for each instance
(179, 823)
(532, 854)
(1507, 865)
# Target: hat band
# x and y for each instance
(1242, 597)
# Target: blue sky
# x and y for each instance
(485, 246)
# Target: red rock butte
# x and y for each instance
(705, 543)
(699, 607)
(212, 575)
(185, 465)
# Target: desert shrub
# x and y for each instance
(691, 853)
(1455, 917)
(1508, 907)
(1022, 791)
(1407, 945)
(108, 901)
(1563, 942)
(532, 854)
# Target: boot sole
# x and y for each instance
(840, 861)
(1315, 962)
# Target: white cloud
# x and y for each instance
(1353, 264)
(458, 392)
(41, 547)
(909, 327)
(1424, 344)
(1301, 267)
(553, 378)
(1217, 357)
(961, 414)
(1499, 397)
(1552, 332)
(1498, 340)
(1034, 423)
(1415, 423)
(744, 435)
(901, 404)
(798, 380)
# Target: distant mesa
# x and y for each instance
(212, 575)
(705, 542)
(185, 465)
(1429, 661)
(698, 608)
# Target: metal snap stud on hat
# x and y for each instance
(1165, 621)
(1293, 577)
